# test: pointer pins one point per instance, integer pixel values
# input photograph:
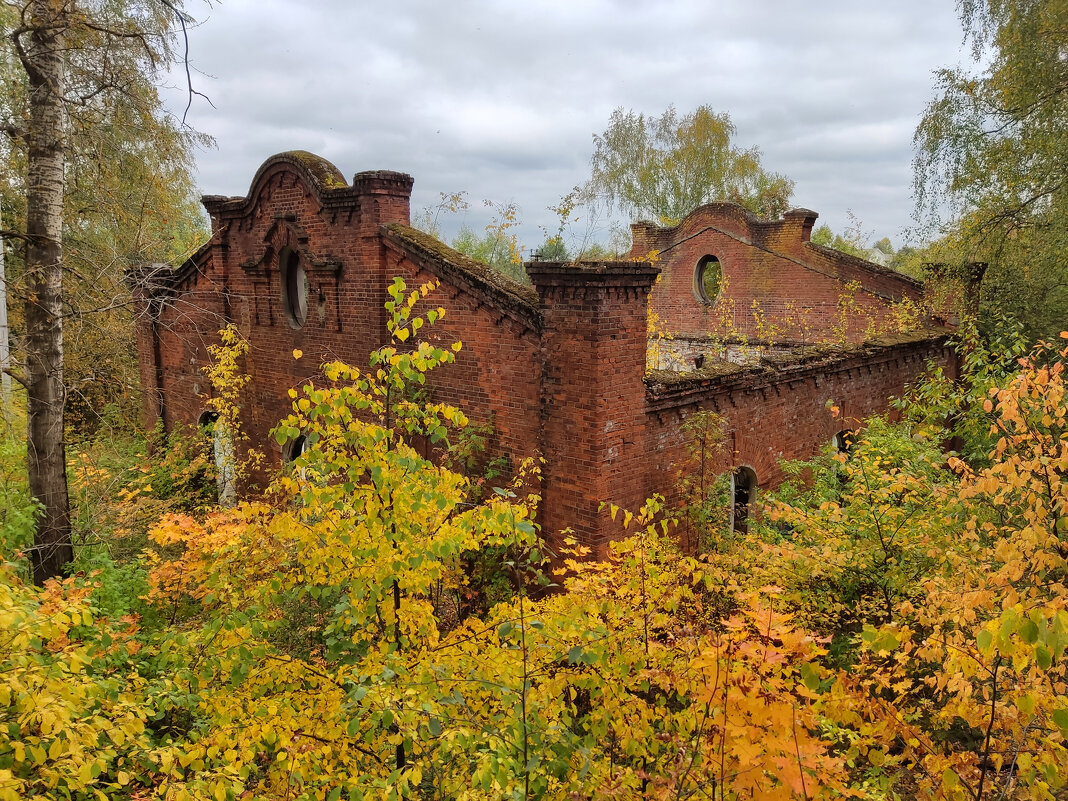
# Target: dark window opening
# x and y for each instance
(743, 492)
(292, 450)
(708, 280)
(294, 288)
(845, 440)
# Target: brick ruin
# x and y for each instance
(766, 329)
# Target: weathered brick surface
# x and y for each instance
(781, 410)
(557, 370)
(593, 350)
(770, 268)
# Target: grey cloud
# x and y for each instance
(501, 98)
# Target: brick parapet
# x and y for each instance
(591, 275)
(772, 279)
(666, 389)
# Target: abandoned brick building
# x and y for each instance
(748, 318)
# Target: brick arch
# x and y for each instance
(752, 453)
(316, 172)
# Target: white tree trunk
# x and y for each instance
(43, 59)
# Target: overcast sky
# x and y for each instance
(501, 99)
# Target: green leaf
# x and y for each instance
(949, 778)
(810, 676)
(504, 630)
(1028, 631)
(435, 727)
(1043, 658)
(575, 656)
(984, 639)
(1060, 717)
(1026, 704)
(335, 794)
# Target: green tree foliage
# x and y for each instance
(823, 235)
(101, 172)
(308, 650)
(497, 245)
(992, 150)
(942, 584)
(665, 167)
(854, 240)
(986, 361)
(130, 198)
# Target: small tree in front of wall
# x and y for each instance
(705, 493)
(228, 381)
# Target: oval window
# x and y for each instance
(294, 288)
(708, 281)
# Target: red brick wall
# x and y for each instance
(593, 351)
(559, 371)
(338, 233)
(779, 415)
(768, 266)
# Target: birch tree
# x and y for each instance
(84, 63)
(991, 167)
(665, 167)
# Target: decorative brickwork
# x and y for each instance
(557, 369)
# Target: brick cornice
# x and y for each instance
(573, 275)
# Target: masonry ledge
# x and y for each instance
(667, 389)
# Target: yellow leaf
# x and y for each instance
(297, 353)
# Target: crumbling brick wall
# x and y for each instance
(776, 285)
(781, 409)
(557, 370)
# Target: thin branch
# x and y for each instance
(989, 730)
(11, 371)
(191, 92)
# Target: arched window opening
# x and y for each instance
(222, 450)
(294, 287)
(708, 280)
(743, 495)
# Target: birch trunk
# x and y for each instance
(44, 61)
